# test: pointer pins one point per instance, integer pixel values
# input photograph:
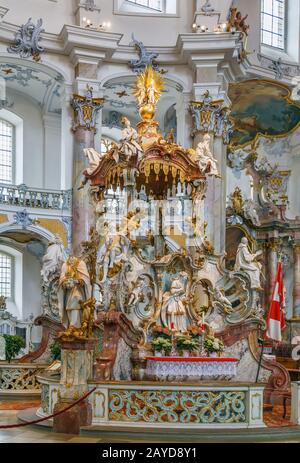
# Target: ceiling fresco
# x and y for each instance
(261, 108)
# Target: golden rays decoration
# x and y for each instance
(148, 89)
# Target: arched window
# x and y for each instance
(6, 151)
(274, 23)
(6, 275)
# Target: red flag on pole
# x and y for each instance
(276, 318)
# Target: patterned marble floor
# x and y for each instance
(36, 434)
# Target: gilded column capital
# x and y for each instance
(85, 110)
(211, 116)
(296, 248)
(274, 245)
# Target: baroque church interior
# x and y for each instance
(149, 221)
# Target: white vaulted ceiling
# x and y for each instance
(34, 80)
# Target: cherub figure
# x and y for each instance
(240, 24)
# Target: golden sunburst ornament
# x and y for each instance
(148, 89)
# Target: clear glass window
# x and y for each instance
(6, 267)
(156, 5)
(273, 23)
(6, 152)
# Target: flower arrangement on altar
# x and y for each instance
(187, 343)
(196, 331)
(161, 344)
(214, 345)
(162, 339)
(161, 331)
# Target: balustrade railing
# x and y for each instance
(23, 196)
(19, 377)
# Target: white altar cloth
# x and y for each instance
(182, 367)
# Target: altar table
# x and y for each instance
(161, 368)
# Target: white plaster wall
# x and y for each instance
(239, 179)
(41, 143)
(32, 138)
(293, 189)
(49, 10)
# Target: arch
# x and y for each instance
(170, 79)
(46, 66)
(40, 232)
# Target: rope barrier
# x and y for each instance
(19, 425)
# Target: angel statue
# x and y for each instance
(94, 159)
(207, 163)
(250, 212)
(219, 297)
(54, 258)
(129, 142)
(149, 87)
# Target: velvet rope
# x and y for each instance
(19, 425)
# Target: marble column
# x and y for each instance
(84, 127)
(272, 259)
(210, 116)
(296, 287)
(184, 120)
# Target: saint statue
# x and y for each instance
(54, 258)
(113, 253)
(246, 262)
(129, 142)
(207, 163)
(94, 159)
(174, 304)
(74, 289)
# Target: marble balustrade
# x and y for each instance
(23, 196)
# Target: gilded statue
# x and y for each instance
(237, 21)
(85, 331)
(149, 87)
(237, 201)
(87, 324)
